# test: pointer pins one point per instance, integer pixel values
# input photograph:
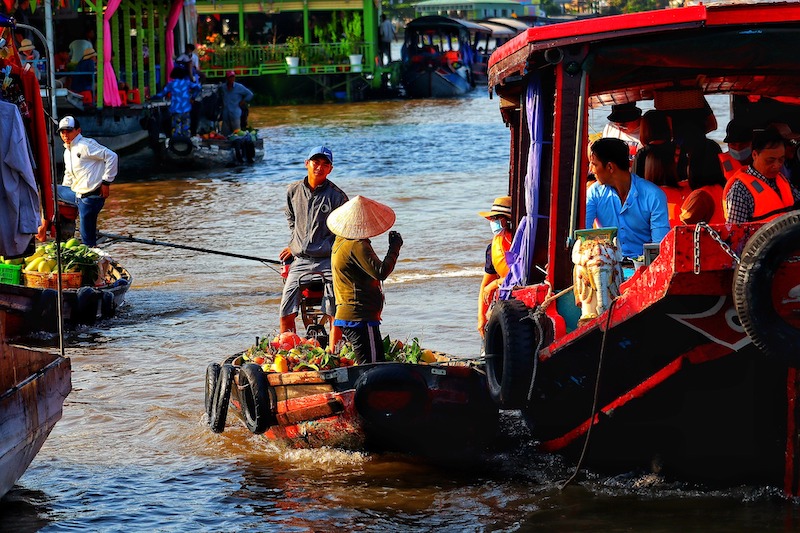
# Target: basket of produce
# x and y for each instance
(49, 280)
(78, 266)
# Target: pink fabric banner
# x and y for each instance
(172, 21)
(110, 87)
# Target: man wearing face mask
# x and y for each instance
(739, 137)
(496, 267)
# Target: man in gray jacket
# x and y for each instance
(309, 202)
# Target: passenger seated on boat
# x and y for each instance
(760, 192)
(706, 179)
(637, 207)
(496, 267)
(624, 123)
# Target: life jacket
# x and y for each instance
(500, 245)
(715, 191)
(765, 198)
(675, 198)
(730, 165)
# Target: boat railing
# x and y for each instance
(257, 60)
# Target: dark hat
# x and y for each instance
(738, 132)
(624, 112)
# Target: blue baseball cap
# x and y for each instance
(320, 150)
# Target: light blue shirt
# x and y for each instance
(642, 219)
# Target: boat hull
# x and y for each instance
(207, 153)
(437, 411)
(436, 83)
(34, 384)
(35, 309)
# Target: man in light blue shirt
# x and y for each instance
(635, 206)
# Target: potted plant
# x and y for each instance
(294, 49)
(353, 35)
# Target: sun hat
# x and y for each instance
(785, 131)
(737, 132)
(501, 207)
(89, 53)
(320, 150)
(361, 218)
(624, 112)
(230, 73)
(26, 45)
(68, 122)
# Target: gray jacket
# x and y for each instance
(307, 213)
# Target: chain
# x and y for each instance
(715, 236)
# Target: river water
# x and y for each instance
(133, 451)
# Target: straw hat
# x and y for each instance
(500, 207)
(89, 53)
(361, 218)
(26, 45)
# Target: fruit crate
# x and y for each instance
(10, 274)
(49, 280)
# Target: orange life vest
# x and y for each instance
(500, 245)
(765, 198)
(715, 191)
(675, 198)
(730, 165)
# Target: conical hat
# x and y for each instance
(361, 218)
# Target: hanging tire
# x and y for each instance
(509, 341)
(180, 145)
(257, 408)
(85, 311)
(212, 376)
(222, 395)
(390, 394)
(107, 305)
(762, 293)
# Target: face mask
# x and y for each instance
(740, 155)
(496, 225)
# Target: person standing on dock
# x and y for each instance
(234, 100)
(89, 169)
(309, 202)
(387, 36)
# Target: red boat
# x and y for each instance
(441, 410)
(692, 370)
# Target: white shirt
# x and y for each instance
(87, 164)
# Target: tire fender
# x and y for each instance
(770, 247)
(386, 380)
(509, 341)
(212, 376)
(107, 305)
(257, 408)
(222, 395)
(86, 305)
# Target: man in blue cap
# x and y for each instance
(309, 202)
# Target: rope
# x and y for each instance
(594, 400)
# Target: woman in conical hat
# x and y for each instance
(358, 273)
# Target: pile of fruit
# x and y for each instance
(75, 257)
(288, 352)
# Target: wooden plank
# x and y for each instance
(294, 378)
(304, 402)
(332, 406)
(287, 392)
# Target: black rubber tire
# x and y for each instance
(212, 377)
(222, 395)
(385, 378)
(257, 409)
(85, 311)
(107, 305)
(764, 253)
(180, 145)
(509, 342)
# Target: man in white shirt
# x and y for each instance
(89, 169)
(624, 123)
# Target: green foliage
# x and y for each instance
(294, 46)
(353, 34)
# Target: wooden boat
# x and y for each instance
(437, 56)
(33, 386)
(693, 369)
(436, 410)
(35, 307)
(197, 152)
